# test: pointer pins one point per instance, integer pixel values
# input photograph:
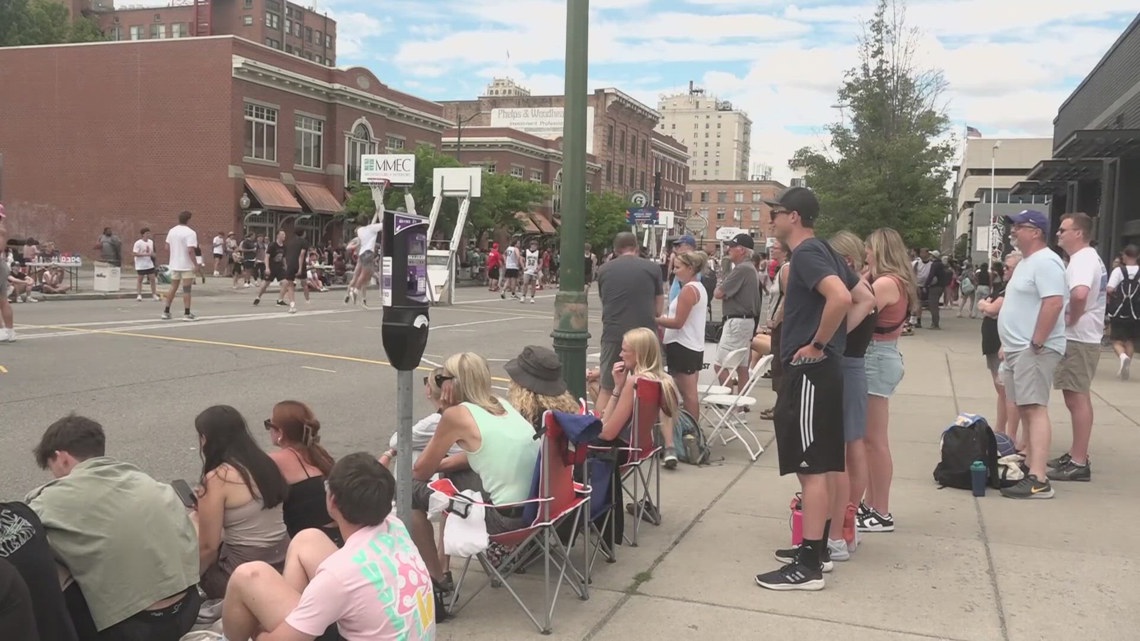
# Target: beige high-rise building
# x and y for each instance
(717, 135)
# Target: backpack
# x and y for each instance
(1126, 298)
(685, 425)
(969, 439)
(713, 331)
(965, 281)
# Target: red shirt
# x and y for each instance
(494, 258)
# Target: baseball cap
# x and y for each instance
(1030, 217)
(797, 199)
(687, 239)
(936, 254)
(743, 240)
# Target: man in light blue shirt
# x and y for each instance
(1032, 332)
(682, 245)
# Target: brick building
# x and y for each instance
(730, 203)
(114, 134)
(279, 24)
(670, 161)
(522, 155)
(620, 128)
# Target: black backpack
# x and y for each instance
(969, 439)
(1125, 303)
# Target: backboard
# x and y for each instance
(457, 181)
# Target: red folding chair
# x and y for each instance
(560, 500)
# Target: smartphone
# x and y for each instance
(184, 492)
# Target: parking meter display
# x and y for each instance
(417, 267)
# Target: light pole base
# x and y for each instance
(571, 338)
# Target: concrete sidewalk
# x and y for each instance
(960, 568)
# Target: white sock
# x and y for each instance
(1123, 357)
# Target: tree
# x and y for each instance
(889, 160)
(605, 218)
(43, 22)
(503, 197)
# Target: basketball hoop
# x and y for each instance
(379, 189)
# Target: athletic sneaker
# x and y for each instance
(256, 302)
(862, 510)
(1063, 459)
(670, 458)
(1029, 488)
(292, 308)
(1070, 471)
(189, 318)
(522, 300)
(1125, 364)
(138, 299)
(789, 555)
(793, 576)
(838, 550)
(503, 295)
(875, 522)
(9, 335)
(165, 315)
(281, 303)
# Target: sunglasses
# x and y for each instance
(440, 379)
(777, 212)
(268, 423)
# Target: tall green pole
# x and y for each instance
(571, 331)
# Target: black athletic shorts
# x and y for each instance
(493, 273)
(293, 272)
(145, 272)
(682, 360)
(1123, 330)
(808, 418)
(512, 273)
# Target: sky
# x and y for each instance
(1009, 64)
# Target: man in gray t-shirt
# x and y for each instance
(632, 296)
(739, 294)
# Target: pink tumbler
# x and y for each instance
(797, 519)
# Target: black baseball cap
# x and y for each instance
(743, 240)
(798, 199)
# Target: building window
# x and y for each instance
(739, 195)
(260, 133)
(288, 25)
(247, 4)
(633, 144)
(308, 34)
(755, 215)
(621, 175)
(642, 181)
(518, 172)
(136, 33)
(609, 167)
(536, 176)
(644, 148)
(328, 41)
(309, 148)
(757, 197)
(289, 49)
(297, 29)
(272, 20)
(247, 21)
(158, 31)
(116, 33)
(179, 30)
(488, 167)
(621, 142)
(738, 215)
(609, 137)
(720, 213)
(704, 196)
(721, 196)
(394, 143)
(270, 42)
(319, 38)
(359, 144)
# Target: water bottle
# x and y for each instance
(797, 520)
(978, 477)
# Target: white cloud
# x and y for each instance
(353, 28)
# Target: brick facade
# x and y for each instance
(670, 159)
(732, 203)
(117, 134)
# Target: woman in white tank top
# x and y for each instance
(684, 326)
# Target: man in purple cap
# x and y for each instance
(1032, 332)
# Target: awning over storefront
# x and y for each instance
(272, 194)
(1064, 169)
(543, 223)
(318, 198)
(1031, 187)
(528, 225)
(1100, 143)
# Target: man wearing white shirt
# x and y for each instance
(181, 241)
(1084, 329)
(144, 264)
(366, 237)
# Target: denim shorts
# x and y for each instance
(854, 399)
(885, 369)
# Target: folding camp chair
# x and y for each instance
(559, 500)
(725, 407)
(735, 359)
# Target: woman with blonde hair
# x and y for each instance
(640, 357)
(684, 325)
(499, 446)
(860, 326)
(896, 297)
(423, 430)
(537, 386)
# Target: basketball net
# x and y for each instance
(378, 191)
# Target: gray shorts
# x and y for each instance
(737, 334)
(1028, 376)
(497, 522)
(367, 259)
(854, 399)
(611, 352)
(5, 272)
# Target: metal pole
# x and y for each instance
(993, 203)
(404, 445)
(458, 139)
(571, 332)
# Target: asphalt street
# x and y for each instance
(146, 379)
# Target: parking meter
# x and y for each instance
(404, 285)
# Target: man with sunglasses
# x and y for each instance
(808, 417)
(1032, 331)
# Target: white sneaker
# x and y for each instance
(138, 299)
(156, 297)
(1125, 364)
(292, 308)
(9, 334)
(838, 550)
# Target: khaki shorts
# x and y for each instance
(177, 276)
(1026, 376)
(1078, 367)
(737, 334)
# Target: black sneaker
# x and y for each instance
(1061, 460)
(256, 302)
(793, 576)
(872, 521)
(862, 510)
(1029, 488)
(1070, 471)
(788, 555)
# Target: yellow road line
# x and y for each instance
(259, 348)
(3, 370)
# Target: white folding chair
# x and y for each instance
(725, 407)
(734, 360)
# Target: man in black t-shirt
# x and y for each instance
(296, 250)
(808, 417)
(274, 268)
(24, 545)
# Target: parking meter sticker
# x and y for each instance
(403, 222)
(386, 281)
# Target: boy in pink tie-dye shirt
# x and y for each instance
(375, 588)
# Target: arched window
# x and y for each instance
(361, 141)
(556, 198)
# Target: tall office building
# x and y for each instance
(717, 135)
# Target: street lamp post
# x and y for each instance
(571, 331)
(459, 133)
(993, 205)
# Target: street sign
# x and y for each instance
(398, 169)
(639, 199)
(641, 216)
(728, 233)
(696, 223)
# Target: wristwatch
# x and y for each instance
(818, 345)
(1037, 347)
